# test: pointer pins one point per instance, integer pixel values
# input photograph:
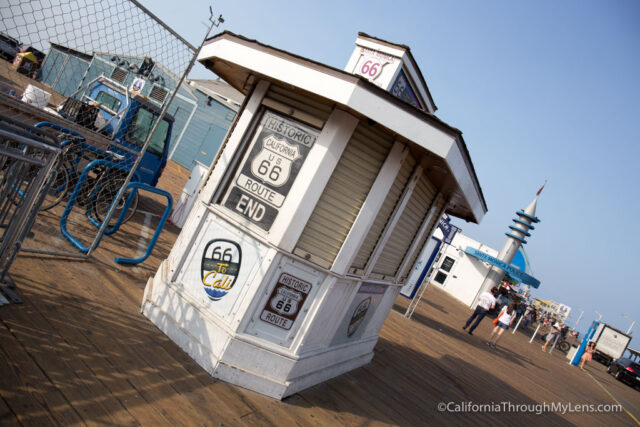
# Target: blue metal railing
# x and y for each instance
(74, 197)
(135, 187)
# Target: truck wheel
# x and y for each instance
(564, 346)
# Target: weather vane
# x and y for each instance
(217, 21)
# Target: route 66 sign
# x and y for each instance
(273, 162)
(278, 149)
(371, 63)
(285, 301)
(220, 267)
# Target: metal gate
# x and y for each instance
(27, 159)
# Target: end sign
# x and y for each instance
(278, 150)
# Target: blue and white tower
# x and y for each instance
(523, 224)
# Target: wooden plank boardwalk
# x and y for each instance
(78, 352)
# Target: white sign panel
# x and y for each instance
(137, 85)
(221, 265)
(612, 342)
(287, 297)
(285, 301)
(363, 307)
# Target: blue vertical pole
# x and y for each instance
(592, 330)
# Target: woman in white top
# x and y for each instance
(505, 319)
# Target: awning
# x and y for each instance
(28, 56)
(511, 270)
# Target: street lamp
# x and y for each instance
(578, 321)
(599, 315)
(633, 322)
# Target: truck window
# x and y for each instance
(140, 128)
(108, 101)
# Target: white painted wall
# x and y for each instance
(466, 275)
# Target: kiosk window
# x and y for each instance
(447, 264)
(440, 277)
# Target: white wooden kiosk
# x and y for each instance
(312, 215)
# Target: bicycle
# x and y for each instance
(562, 344)
(99, 188)
(104, 185)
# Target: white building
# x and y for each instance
(312, 216)
(452, 268)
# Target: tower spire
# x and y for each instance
(531, 209)
(523, 225)
(540, 189)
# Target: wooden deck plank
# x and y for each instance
(57, 356)
(26, 389)
(108, 349)
(7, 417)
(227, 405)
(221, 406)
(71, 314)
(338, 409)
(137, 362)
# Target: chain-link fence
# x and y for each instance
(99, 75)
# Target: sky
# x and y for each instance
(542, 91)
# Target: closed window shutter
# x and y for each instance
(343, 196)
(384, 215)
(406, 229)
(298, 106)
(439, 210)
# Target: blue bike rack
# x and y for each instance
(135, 186)
(57, 127)
(74, 196)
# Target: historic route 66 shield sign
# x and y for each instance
(285, 301)
(220, 267)
(273, 163)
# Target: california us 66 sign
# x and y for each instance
(277, 152)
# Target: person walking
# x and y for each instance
(553, 333)
(528, 316)
(505, 319)
(588, 354)
(486, 301)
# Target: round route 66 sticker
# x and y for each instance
(220, 267)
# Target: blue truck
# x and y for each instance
(126, 118)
